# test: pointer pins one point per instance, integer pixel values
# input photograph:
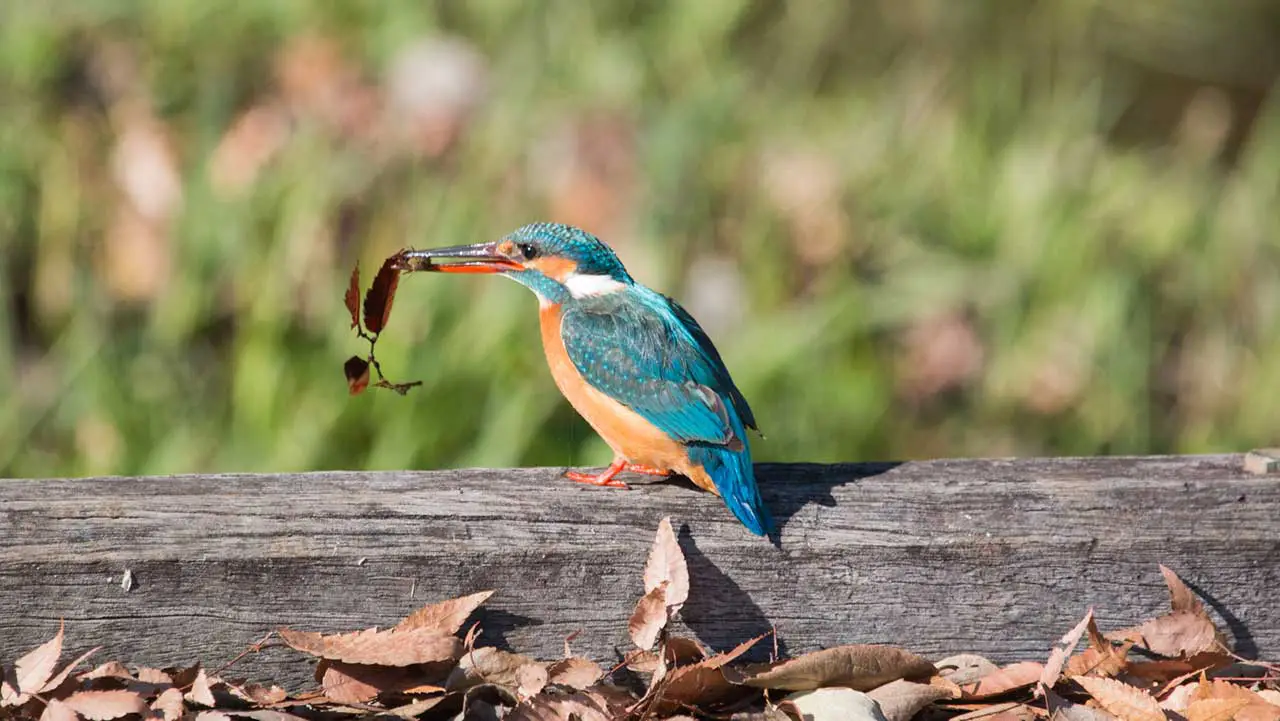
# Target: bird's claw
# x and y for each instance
(604, 479)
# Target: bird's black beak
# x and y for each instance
(476, 258)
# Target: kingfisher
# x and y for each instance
(631, 361)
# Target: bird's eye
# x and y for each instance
(528, 251)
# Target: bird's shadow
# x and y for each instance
(721, 614)
(788, 488)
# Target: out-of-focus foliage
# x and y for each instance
(913, 227)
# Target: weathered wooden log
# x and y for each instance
(997, 557)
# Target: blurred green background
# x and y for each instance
(915, 228)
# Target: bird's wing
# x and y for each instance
(647, 360)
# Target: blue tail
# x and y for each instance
(735, 479)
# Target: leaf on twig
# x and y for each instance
(860, 667)
(356, 369)
(381, 296)
(445, 616)
(352, 297)
(1122, 700)
(382, 648)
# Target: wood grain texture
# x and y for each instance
(990, 556)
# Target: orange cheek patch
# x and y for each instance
(555, 268)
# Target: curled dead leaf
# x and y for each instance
(963, 668)
(356, 369)
(352, 297)
(1180, 634)
(833, 704)
(700, 685)
(1181, 599)
(574, 672)
(860, 667)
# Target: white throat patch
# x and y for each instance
(581, 285)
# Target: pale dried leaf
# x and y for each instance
(1007, 711)
(374, 647)
(341, 683)
(1270, 695)
(1062, 710)
(445, 616)
(531, 678)
(32, 671)
(488, 666)
(1060, 653)
(643, 661)
(1181, 599)
(860, 667)
(575, 672)
(666, 564)
(200, 692)
(1215, 709)
(1261, 711)
(1181, 697)
(834, 704)
(212, 716)
(417, 708)
(1179, 634)
(649, 618)
(1122, 700)
(110, 669)
(259, 694)
(146, 674)
(169, 704)
(105, 705)
(964, 668)
(57, 680)
(901, 700)
(56, 710)
(1005, 679)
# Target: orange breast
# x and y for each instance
(629, 435)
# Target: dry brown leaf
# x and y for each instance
(832, 704)
(67, 670)
(32, 671)
(703, 685)
(1270, 695)
(1181, 599)
(1003, 680)
(1262, 711)
(1217, 688)
(676, 651)
(352, 297)
(56, 710)
(860, 667)
(1060, 653)
(666, 565)
(445, 616)
(643, 661)
(575, 672)
(259, 694)
(901, 700)
(1122, 700)
(146, 674)
(965, 668)
(342, 682)
(381, 296)
(580, 706)
(1215, 709)
(1101, 658)
(374, 647)
(488, 666)
(212, 716)
(649, 618)
(105, 705)
(1062, 710)
(1165, 670)
(169, 704)
(417, 708)
(200, 692)
(1179, 634)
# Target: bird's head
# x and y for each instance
(557, 262)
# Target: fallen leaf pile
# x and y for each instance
(1171, 668)
(377, 311)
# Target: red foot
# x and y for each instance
(645, 470)
(604, 479)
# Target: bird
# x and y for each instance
(630, 360)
